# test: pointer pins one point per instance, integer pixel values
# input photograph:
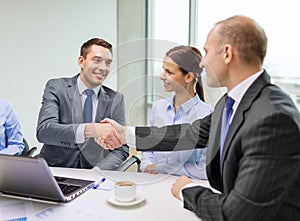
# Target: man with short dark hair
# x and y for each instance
(71, 109)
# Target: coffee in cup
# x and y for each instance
(125, 191)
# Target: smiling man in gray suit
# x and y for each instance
(257, 168)
(69, 138)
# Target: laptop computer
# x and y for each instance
(31, 178)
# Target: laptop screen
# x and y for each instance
(32, 178)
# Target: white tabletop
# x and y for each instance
(159, 204)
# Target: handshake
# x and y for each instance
(110, 134)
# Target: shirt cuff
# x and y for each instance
(160, 168)
(187, 186)
(79, 136)
(130, 136)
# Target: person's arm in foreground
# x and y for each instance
(166, 138)
(256, 195)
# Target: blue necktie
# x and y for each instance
(227, 112)
(88, 106)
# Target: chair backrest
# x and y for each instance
(126, 164)
(26, 148)
(27, 151)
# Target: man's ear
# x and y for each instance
(228, 53)
(81, 61)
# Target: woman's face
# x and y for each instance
(172, 77)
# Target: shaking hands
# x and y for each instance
(110, 134)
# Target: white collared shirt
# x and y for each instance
(238, 92)
(81, 88)
(79, 136)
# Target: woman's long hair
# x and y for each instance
(188, 59)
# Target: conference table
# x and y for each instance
(154, 199)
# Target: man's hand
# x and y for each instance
(179, 184)
(100, 130)
(150, 169)
(112, 140)
(120, 129)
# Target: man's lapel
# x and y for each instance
(75, 100)
(212, 153)
(215, 131)
(245, 104)
(103, 103)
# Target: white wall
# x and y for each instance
(41, 39)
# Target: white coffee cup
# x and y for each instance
(125, 191)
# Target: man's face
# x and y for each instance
(213, 62)
(96, 66)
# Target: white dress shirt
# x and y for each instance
(81, 88)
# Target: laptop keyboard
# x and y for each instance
(60, 179)
(66, 189)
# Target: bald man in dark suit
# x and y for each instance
(257, 166)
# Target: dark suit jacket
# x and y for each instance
(261, 157)
(59, 117)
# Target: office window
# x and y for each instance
(171, 20)
(168, 27)
(279, 19)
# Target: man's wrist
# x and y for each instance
(187, 186)
(90, 130)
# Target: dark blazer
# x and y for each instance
(261, 158)
(59, 117)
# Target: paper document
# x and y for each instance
(16, 210)
(80, 210)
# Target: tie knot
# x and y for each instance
(89, 92)
(229, 103)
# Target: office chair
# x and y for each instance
(129, 162)
(27, 151)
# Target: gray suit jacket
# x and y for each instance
(59, 117)
(261, 158)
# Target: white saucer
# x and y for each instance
(115, 202)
